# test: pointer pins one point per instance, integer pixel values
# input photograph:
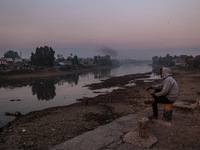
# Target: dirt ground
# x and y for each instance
(47, 128)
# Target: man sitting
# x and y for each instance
(166, 92)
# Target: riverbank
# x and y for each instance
(18, 77)
(47, 128)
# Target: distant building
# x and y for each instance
(63, 65)
(3, 61)
(9, 60)
(180, 60)
(18, 60)
(107, 57)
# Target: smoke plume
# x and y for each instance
(108, 51)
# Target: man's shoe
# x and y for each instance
(152, 117)
(149, 101)
(168, 120)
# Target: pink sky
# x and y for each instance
(126, 25)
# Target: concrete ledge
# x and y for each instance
(185, 105)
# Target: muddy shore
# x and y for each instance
(47, 128)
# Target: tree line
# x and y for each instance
(190, 61)
(163, 61)
(44, 56)
(193, 62)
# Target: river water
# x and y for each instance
(59, 91)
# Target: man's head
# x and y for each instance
(165, 72)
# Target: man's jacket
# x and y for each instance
(169, 87)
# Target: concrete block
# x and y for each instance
(134, 139)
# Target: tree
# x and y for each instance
(44, 56)
(60, 58)
(69, 58)
(75, 60)
(193, 62)
(197, 61)
(163, 61)
(11, 54)
(105, 61)
(155, 59)
(189, 61)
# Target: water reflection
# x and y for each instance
(44, 89)
(71, 79)
(102, 73)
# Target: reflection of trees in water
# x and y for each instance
(44, 89)
(70, 78)
(102, 73)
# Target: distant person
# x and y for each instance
(166, 92)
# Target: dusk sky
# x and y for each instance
(137, 29)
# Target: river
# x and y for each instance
(59, 91)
